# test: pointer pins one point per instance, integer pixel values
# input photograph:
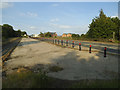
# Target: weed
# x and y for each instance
(55, 68)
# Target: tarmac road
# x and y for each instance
(77, 65)
(111, 48)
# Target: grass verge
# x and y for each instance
(29, 79)
(96, 84)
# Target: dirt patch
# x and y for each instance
(55, 68)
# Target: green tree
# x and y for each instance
(23, 33)
(48, 34)
(116, 20)
(18, 33)
(101, 27)
(41, 34)
(75, 36)
(7, 31)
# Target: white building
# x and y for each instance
(35, 35)
(24, 35)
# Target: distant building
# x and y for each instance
(67, 35)
(25, 35)
(35, 35)
(53, 34)
(64, 35)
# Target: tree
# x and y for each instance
(48, 34)
(101, 27)
(18, 33)
(82, 35)
(23, 33)
(7, 31)
(41, 34)
(116, 20)
(75, 36)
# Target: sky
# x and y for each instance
(59, 17)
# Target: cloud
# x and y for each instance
(79, 29)
(55, 5)
(54, 20)
(5, 4)
(114, 16)
(32, 27)
(63, 26)
(31, 14)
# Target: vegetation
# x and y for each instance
(103, 27)
(75, 36)
(41, 34)
(28, 79)
(9, 32)
(96, 84)
(55, 68)
(47, 34)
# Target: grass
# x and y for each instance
(27, 80)
(55, 68)
(40, 80)
(97, 84)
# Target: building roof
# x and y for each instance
(67, 33)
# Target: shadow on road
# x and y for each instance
(27, 43)
(96, 67)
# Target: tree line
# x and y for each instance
(8, 31)
(47, 34)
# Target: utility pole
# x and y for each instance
(113, 36)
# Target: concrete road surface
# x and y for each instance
(76, 64)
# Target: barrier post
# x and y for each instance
(90, 49)
(58, 42)
(105, 51)
(66, 42)
(73, 44)
(62, 42)
(79, 46)
(53, 41)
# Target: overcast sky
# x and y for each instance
(60, 17)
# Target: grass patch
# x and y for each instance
(27, 80)
(96, 84)
(40, 80)
(55, 68)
